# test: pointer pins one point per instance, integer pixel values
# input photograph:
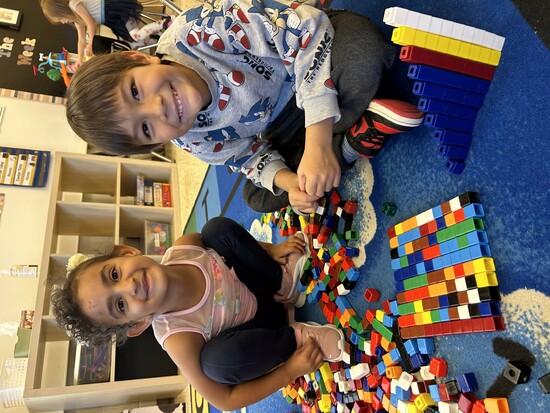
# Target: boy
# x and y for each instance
(275, 88)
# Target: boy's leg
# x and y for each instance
(359, 55)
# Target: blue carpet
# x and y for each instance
(507, 166)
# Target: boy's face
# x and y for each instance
(123, 290)
(160, 102)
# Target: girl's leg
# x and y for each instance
(254, 267)
(253, 353)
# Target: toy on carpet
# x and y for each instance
(453, 65)
(383, 370)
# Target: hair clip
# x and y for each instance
(77, 259)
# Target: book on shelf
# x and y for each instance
(148, 193)
(140, 189)
(157, 238)
(157, 194)
(166, 195)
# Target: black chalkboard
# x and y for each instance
(21, 49)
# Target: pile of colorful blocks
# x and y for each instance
(382, 370)
(453, 65)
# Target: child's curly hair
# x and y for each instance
(92, 104)
(70, 318)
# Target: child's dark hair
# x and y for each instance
(70, 318)
(91, 107)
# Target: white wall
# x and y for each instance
(34, 125)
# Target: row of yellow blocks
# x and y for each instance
(407, 36)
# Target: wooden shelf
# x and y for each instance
(91, 205)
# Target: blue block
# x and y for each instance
(452, 137)
(394, 307)
(379, 393)
(435, 120)
(437, 212)
(411, 346)
(467, 382)
(421, 268)
(432, 239)
(452, 245)
(454, 166)
(402, 394)
(440, 222)
(443, 303)
(449, 94)
(381, 368)
(395, 355)
(453, 152)
(434, 392)
(447, 108)
(448, 78)
(474, 210)
(353, 274)
(428, 266)
(426, 345)
(393, 399)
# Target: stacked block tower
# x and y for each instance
(444, 273)
(452, 65)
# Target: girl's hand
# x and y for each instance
(279, 252)
(305, 360)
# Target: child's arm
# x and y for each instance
(319, 170)
(81, 30)
(91, 25)
(185, 348)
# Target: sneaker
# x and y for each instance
(382, 118)
(329, 339)
(292, 272)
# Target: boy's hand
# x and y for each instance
(288, 181)
(305, 360)
(279, 252)
(319, 170)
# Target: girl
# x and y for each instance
(121, 16)
(216, 304)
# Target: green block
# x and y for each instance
(434, 314)
(403, 262)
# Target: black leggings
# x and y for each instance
(252, 349)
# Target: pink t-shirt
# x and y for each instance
(226, 303)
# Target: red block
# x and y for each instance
(438, 367)
(372, 295)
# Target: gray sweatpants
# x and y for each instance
(360, 55)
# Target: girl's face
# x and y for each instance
(123, 290)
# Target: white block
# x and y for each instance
(460, 284)
(473, 296)
(405, 380)
(463, 312)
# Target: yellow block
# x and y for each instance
(426, 317)
(409, 248)
(407, 36)
(483, 264)
(418, 307)
(424, 400)
(399, 229)
(449, 273)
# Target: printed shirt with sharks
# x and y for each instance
(254, 55)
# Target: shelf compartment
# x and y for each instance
(155, 171)
(85, 219)
(81, 174)
(132, 219)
